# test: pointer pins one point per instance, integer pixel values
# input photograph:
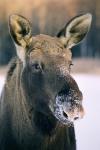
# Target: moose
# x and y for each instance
(41, 100)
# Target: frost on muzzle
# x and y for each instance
(68, 106)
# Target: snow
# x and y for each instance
(2, 80)
(87, 129)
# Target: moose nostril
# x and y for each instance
(65, 115)
(75, 118)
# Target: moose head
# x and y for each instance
(45, 67)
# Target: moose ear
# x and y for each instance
(20, 30)
(75, 31)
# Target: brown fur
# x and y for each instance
(40, 99)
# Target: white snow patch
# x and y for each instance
(2, 80)
(88, 129)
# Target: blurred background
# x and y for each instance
(48, 17)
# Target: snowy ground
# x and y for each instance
(87, 129)
(2, 80)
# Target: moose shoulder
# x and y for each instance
(40, 99)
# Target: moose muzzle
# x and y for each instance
(68, 105)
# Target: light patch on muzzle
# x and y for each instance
(68, 107)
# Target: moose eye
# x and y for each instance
(36, 67)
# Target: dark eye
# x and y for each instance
(36, 67)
